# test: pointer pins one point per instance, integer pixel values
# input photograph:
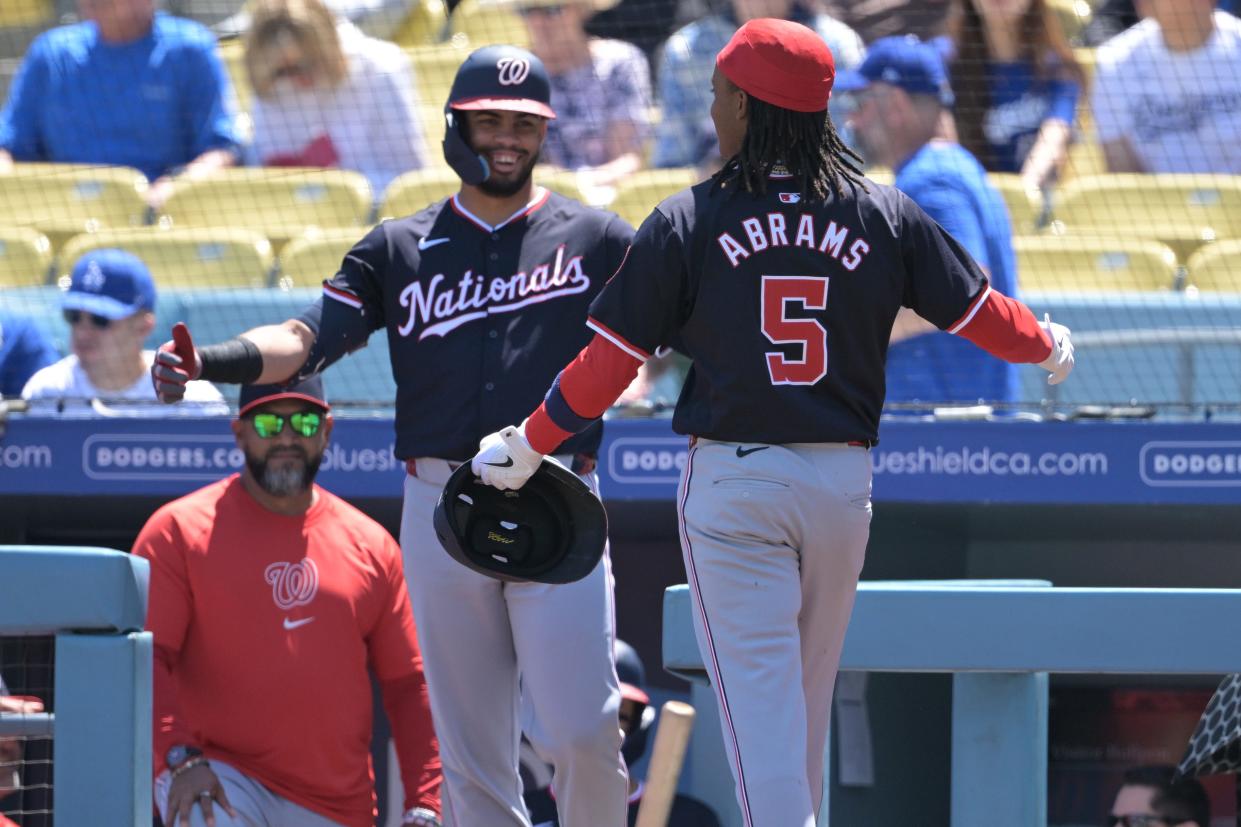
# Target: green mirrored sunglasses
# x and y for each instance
(305, 423)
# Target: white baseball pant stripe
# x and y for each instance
(485, 643)
(774, 540)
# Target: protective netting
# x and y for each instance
(1112, 153)
(25, 735)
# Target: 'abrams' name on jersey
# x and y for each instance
(774, 233)
(441, 309)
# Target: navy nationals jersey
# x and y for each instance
(785, 306)
(480, 319)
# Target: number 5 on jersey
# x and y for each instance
(779, 292)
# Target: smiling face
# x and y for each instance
(510, 142)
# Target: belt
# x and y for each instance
(581, 464)
(853, 443)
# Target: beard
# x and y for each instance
(284, 481)
(511, 186)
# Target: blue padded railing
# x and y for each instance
(94, 601)
(999, 639)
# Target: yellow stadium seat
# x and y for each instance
(639, 193)
(62, 200)
(1133, 204)
(565, 182)
(196, 257)
(1025, 208)
(434, 68)
(307, 261)
(881, 175)
(426, 23)
(26, 13)
(1068, 264)
(412, 191)
(480, 22)
(25, 257)
(1217, 267)
(233, 56)
(280, 203)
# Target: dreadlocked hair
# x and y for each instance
(805, 144)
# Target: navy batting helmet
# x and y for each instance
(551, 530)
(494, 77)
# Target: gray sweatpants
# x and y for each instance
(256, 806)
(774, 538)
(502, 657)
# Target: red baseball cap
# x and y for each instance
(780, 62)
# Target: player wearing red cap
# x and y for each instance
(783, 399)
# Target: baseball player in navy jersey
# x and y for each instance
(780, 278)
(481, 296)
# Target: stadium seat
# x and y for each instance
(881, 175)
(188, 257)
(25, 257)
(1025, 208)
(564, 181)
(412, 191)
(1144, 205)
(62, 200)
(426, 23)
(21, 13)
(434, 68)
(233, 56)
(481, 22)
(1078, 264)
(280, 203)
(638, 194)
(1217, 267)
(307, 261)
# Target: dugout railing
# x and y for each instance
(1000, 640)
(94, 602)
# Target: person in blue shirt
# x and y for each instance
(126, 87)
(901, 93)
(24, 350)
(1017, 84)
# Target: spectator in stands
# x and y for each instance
(875, 19)
(11, 748)
(601, 90)
(1166, 97)
(1155, 797)
(24, 350)
(127, 87)
(110, 310)
(1110, 18)
(269, 599)
(328, 95)
(1016, 83)
(685, 135)
(902, 92)
(637, 717)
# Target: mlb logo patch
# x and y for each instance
(790, 197)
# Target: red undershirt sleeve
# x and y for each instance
(582, 392)
(408, 706)
(1004, 327)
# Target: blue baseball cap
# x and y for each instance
(906, 62)
(110, 283)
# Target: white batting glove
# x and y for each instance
(505, 459)
(1060, 362)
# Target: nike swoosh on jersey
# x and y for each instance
(293, 624)
(745, 452)
(508, 463)
(428, 243)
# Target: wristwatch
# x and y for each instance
(420, 817)
(179, 754)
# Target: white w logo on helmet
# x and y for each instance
(513, 71)
(293, 584)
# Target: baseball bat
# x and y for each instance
(676, 719)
